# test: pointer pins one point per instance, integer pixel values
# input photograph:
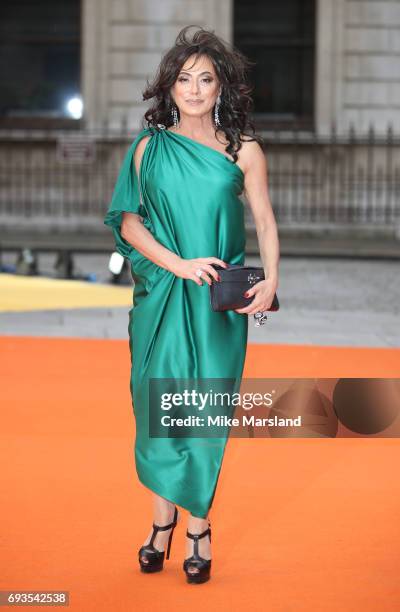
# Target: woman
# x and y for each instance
(175, 213)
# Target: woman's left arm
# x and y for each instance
(255, 166)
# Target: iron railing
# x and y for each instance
(65, 179)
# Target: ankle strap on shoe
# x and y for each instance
(196, 537)
(165, 527)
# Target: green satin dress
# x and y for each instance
(188, 196)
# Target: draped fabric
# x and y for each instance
(188, 196)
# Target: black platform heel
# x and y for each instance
(156, 557)
(203, 565)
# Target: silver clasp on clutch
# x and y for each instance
(260, 318)
(252, 278)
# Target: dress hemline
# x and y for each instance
(157, 488)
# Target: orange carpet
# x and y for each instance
(300, 524)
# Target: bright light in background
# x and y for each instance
(116, 263)
(74, 107)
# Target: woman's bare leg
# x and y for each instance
(163, 514)
(198, 525)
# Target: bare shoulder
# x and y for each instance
(251, 154)
(251, 148)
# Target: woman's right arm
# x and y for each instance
(134, 232)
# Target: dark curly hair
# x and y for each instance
(230, 66)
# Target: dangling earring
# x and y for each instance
(216, 113)
(174, 113)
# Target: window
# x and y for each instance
(39, 59)
(280, 38)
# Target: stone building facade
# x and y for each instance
(317, 182)
(357, 53)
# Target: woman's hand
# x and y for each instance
(186, 268)
(264, 292)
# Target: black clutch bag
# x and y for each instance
(227, 294)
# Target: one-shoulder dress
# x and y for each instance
(187, 194)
